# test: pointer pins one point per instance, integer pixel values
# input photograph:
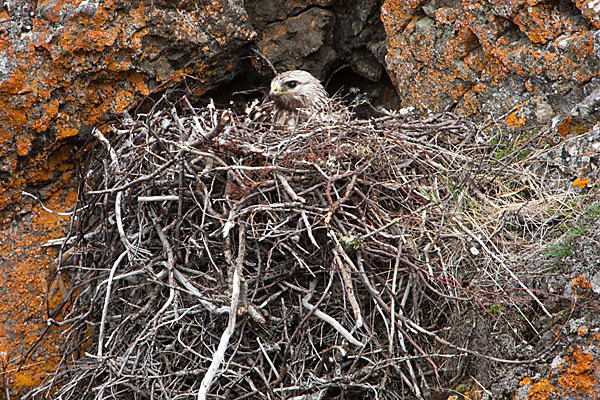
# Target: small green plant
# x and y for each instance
(562, 250)
(551, 269)
(578, 231)
(506, 145)
(502, 152)
(495, 309)
(593, 211)
(461, 387)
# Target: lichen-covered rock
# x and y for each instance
(571, 371)
(490, 56)
(66, 65)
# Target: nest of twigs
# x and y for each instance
(212, 256)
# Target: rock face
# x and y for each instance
(69, 65)
(521, 59)
(320, 35)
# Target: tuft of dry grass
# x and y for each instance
(211, 256)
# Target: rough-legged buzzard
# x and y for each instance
(295, 97)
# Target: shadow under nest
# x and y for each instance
(212, 256)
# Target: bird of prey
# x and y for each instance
(295, 97)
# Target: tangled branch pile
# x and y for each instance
(211, 256)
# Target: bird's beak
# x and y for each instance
(274, 90)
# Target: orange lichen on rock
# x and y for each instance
(581, 285)
(24, 145)
(439, 71)
(540, 390)
(24, 280)
(515, 119)
(542, 22)
(577, 374)
(589, 9)
(490, 55)
(396, 13)
(564, 127)
(581, 183)
(580, 376)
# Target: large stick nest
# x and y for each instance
(212, 256)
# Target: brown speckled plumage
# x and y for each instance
(295, 97)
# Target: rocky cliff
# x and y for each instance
(69, 65)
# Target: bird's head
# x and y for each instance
(297, 89)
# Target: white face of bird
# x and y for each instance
(295, 89)
(280, 87)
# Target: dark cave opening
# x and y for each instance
(344, 82)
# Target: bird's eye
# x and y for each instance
(292, 84)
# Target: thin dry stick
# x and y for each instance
(219, 355)
(337, 251)
(107, 301)
(348, 287)
(128, 247)
(393, 298)
(111, 151)
(331, 321)
(170, 267)
(266, 355)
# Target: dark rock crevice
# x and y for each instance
(320, 36)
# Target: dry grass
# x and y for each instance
(210, 256)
